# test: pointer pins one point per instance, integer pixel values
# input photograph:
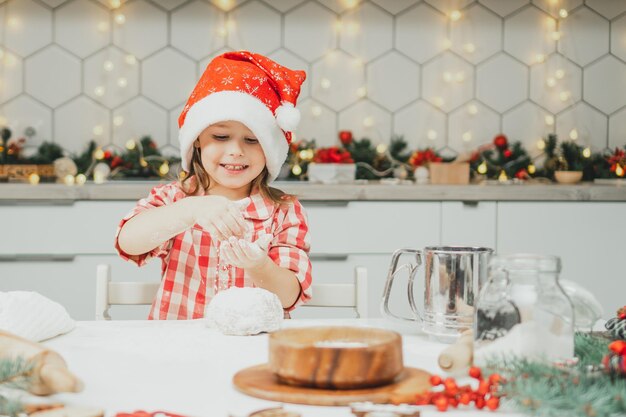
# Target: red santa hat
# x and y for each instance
(247, 88)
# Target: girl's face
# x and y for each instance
(232, 156)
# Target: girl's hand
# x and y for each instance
(221, 217)
(243, 254)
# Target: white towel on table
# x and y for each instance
(32, 316)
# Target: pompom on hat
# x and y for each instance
(247, 88)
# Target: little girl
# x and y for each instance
(221, 225)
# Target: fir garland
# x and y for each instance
(14, 373)
(583, 389)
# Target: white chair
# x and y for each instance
(353, 295)
(120, 293)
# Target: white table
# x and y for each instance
(186, 368)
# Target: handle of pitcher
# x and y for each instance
(393, 270)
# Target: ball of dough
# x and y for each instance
(244, 311)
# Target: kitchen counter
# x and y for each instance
(134, 190)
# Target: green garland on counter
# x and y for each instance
(583, 389)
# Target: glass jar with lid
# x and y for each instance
(523, 311)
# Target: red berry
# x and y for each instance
(450, 383)
(480, 403)
(618, 346)
(435, 380)
(483, 387)
(495, 379)
(441, 404)
(465, 398)
(493, 403)
(475, 372)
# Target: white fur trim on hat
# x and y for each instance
(240, 107)
(287, 117)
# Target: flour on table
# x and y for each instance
(244, 311)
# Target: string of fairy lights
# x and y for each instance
(451, 77)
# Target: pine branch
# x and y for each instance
(581, 390)
(10, 407)
(15, 373)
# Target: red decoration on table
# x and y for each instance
(333, 155)
(508, 153)
(345, 136)
(615, 361)
(452, 395)
(501, 141)
(141, 413)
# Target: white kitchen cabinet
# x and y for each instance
(83, 227)
(468, 223)
(589, 238)
(372, 226)
(54, 248)
(71, 281)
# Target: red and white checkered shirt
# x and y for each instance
(190, 259)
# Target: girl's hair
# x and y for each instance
(204, 181)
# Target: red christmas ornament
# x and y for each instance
(508, 153)
(501, 141)
(345, 136)
(521, 174)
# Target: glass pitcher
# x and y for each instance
(523, 311)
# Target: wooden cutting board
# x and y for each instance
(258, 381)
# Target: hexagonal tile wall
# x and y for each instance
(472, 125)
(109, 78)
(527, 35)
(393, 81)
(28, 27)
(421, 32)
(91, 20)
(257, 28)
(422, 125)
(555, 84)
(367, 120)
(504, 8)
(366, 32)
(310, 31)
(52, 76)
(12, 67)
(442, 73)
(501, 82)
(477, 45)
(198, 19)
(23, 112)
(528, 123)
(138, 118)
(592, 133)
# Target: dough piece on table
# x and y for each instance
(244, 311)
